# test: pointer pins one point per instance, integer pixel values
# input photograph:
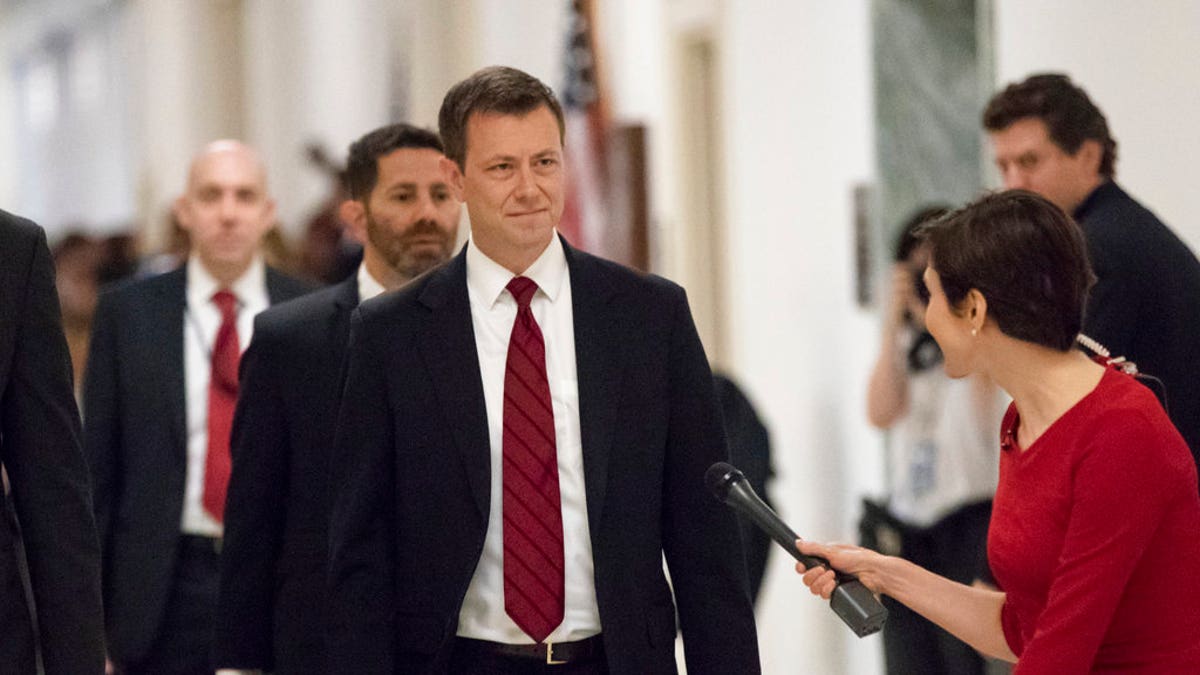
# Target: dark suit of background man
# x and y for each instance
(272, 610)
(441, 562)
(1050, 138)
(41, 457)
(158, 473)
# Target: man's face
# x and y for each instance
(513, 183)
(226, 209)
(1029, 160)
(411, 218)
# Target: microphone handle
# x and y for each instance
(752, 507)
(853, 602)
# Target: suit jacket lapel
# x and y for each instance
(166, 328)
(281, 288)
(346, 298)
(449, 352)
(598, 365)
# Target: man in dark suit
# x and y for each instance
(523, 435)
(1050, 138)
(158, 400)
(271, 615)
(44, 468)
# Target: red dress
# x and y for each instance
(1095, 539)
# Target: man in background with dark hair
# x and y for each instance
(272, 610)
(49, 516)
(1048, 137)
(523, 436)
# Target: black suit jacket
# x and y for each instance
(273, 571)
(413, 460)
(1146, 301)
(39, 448)
(135, 439)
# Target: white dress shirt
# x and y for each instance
(493, 311)
(368, 286)
(201, 321)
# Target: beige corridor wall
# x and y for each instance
(799, 137)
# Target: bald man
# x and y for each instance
(159, 390)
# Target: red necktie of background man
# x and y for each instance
(222, 399)
(532, 507)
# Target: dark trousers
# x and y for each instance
(185, 637)
(471, 662)
(954, 547)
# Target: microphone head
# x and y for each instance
(720, 477)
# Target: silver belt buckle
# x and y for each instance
(550, 656)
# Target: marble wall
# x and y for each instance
(931, 81)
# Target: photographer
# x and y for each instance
(941, 463)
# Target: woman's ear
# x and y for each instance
(976, 309)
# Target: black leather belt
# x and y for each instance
(550, 653)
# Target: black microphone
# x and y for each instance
(854, 603)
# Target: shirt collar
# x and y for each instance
(202, 284)
(368, 286)
(488, 278)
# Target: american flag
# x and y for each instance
(587, 123)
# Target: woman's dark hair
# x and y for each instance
(1025, 256)
(909, 236)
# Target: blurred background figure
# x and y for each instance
(327, 253)
(77, 262)
(173, 252)
(159, 393)
(941, 462)
(277, 253)
(750, 451)
(120, 256)
(83, 265)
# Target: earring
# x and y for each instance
(974, 332)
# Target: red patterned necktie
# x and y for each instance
(222, 398)
(533, 536)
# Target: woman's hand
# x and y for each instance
(863, 563)
(970, 614)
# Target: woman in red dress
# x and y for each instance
(1095, 532)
